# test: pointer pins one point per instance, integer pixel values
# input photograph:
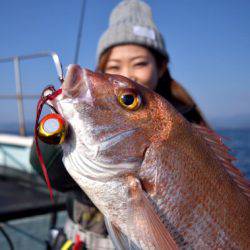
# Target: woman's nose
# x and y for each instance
(125, 72)
(129, 74)
(133, 78)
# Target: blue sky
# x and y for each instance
(208, 42)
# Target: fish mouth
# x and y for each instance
(75, 82)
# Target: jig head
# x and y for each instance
(52, 129)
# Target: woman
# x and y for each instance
(133, 47)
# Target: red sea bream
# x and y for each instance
(161, 182)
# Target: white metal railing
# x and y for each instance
(19, 96)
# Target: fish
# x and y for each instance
(160, 181)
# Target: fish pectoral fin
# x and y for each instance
(144, 223)
(120, 240)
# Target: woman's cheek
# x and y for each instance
(147, 78)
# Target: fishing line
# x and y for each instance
(7, 237)
(42, 242)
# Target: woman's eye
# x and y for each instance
(141, 64)
(112, 68)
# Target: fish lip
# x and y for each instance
(73, 85)
(81, 90)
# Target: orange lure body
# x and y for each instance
(52, 129)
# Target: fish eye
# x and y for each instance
(130, 99)
(52, 129)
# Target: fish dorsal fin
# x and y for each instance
(214, 141)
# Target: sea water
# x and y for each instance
(238, 140)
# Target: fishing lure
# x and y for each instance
(52, 128)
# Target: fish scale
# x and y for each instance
(161, 182)
(209, 205)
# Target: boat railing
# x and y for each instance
(19, 96)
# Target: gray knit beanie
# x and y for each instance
(131, 21)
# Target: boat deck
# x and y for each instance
(25, 196)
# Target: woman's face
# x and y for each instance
(134, 62)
